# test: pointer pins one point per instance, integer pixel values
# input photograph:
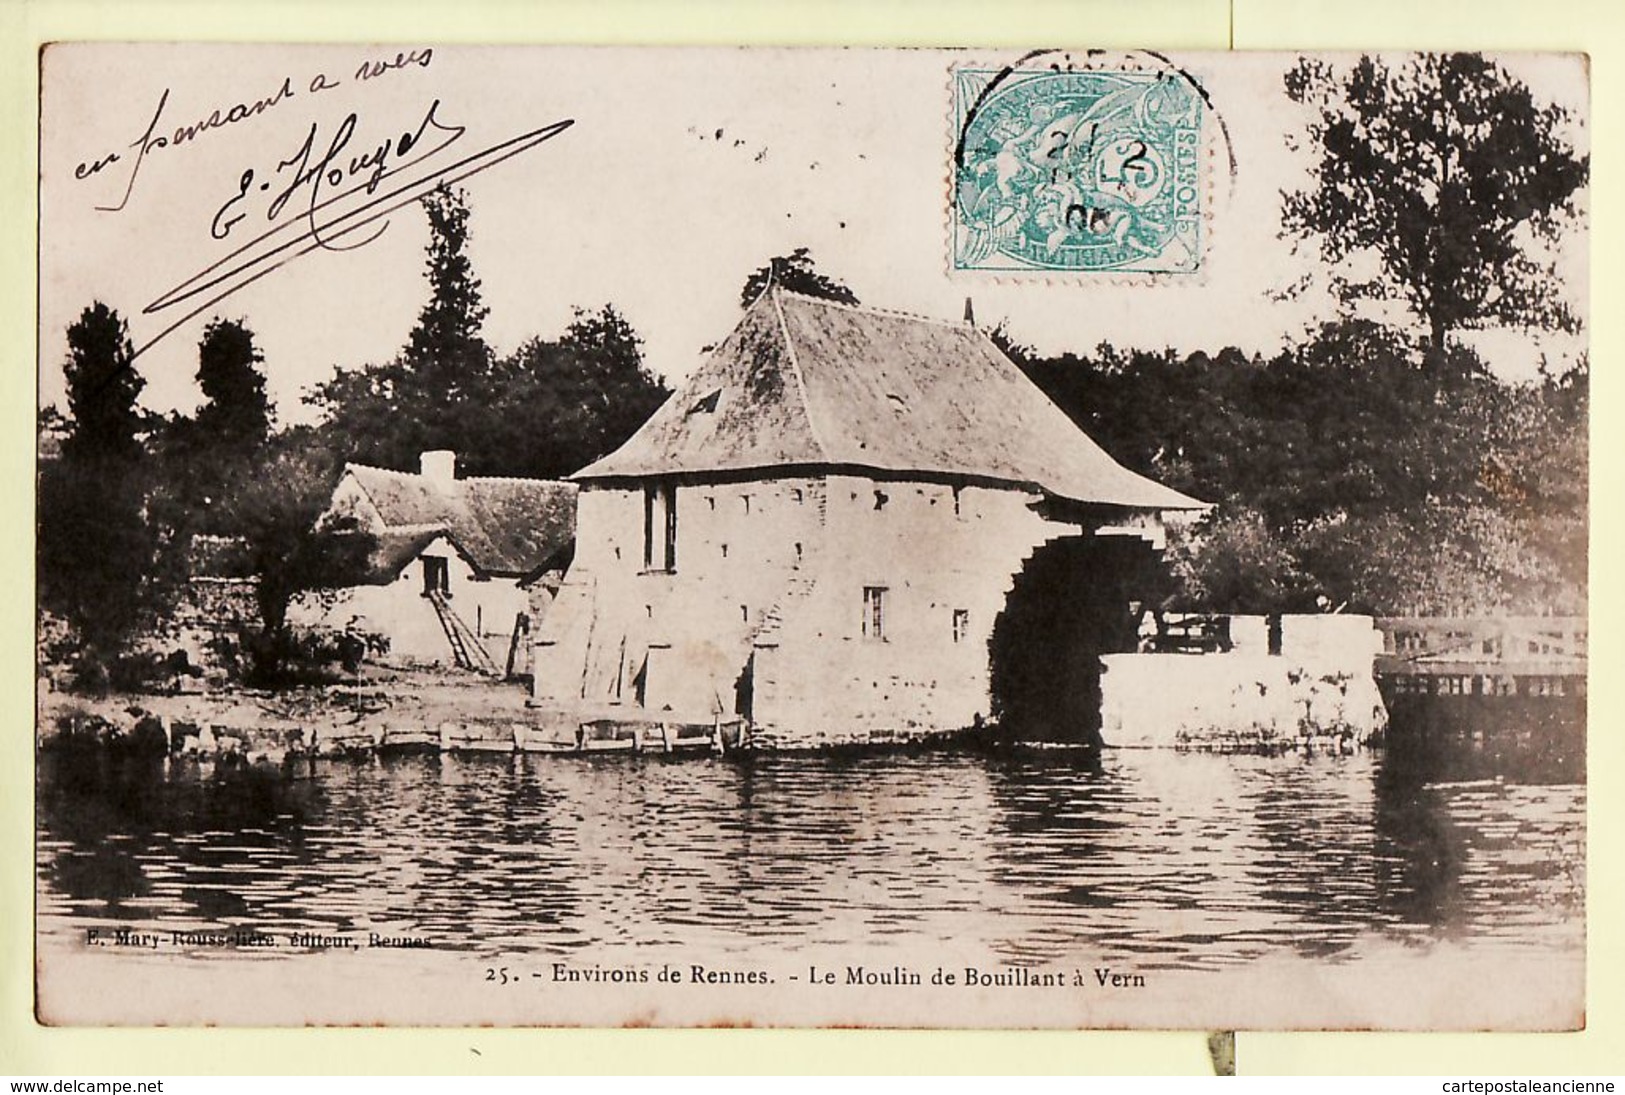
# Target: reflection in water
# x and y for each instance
(1179, 860)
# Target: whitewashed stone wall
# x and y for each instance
(626, 635)
(772, 573)
(934, 551)
(1319, 686)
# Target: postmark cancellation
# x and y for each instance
(1061, 170)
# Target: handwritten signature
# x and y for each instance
(332, 169)
(383, 176)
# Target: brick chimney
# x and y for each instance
(438, 467)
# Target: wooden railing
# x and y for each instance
(1506, 644)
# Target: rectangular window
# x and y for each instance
(961, 624)
(874, 612)
(660, 526)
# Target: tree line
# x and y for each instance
(1344, 476)
(1376, 466)
(133, 505)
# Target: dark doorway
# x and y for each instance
(1067, 606)
(436, 575)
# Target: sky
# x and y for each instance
(679, 173)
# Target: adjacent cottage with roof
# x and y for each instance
(849, 525)
(461, 566)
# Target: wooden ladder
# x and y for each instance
(466, 647)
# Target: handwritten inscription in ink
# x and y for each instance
(332, 167)
(163, 132)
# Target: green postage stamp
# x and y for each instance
(1058, 170)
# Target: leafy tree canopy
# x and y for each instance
(546, 410)
(558, 405)
(273, 504)
(1340, 471)
(1446, 170)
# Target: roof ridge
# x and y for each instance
(361, 485)
(353, 465)
(890, 313)
(513, 479)
(417, 528)
(801, 381)
(350, 465)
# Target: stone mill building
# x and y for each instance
(850, 525)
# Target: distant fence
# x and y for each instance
(1472, 656)
(1506, 644)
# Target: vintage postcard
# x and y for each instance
(1049, 538)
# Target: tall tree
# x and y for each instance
(798, 273)
(1447, 172)
(103, 386)
(197, 457)
(96, 549)
(446, 349)
(431, 393)
(236, 413)
(548, 409)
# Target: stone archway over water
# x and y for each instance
(1068, 605)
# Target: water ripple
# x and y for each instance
(1184, 861)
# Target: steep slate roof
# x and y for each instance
(504, 527)
(805, 381)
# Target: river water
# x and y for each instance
(1156, 861)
